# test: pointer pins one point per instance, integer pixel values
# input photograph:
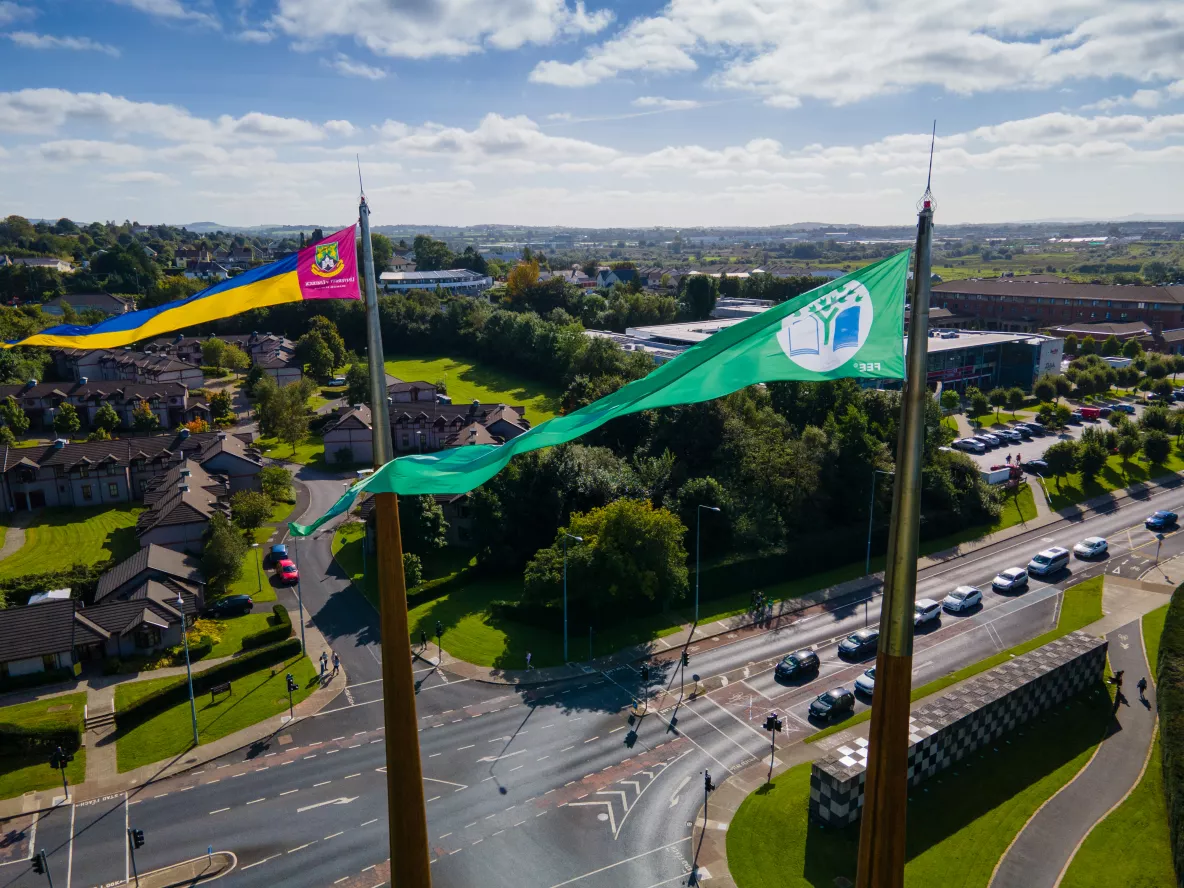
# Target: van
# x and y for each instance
(1048, 562)
(1091, 413)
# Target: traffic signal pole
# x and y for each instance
(407, 820)
(880, 863)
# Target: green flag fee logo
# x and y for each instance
(829, 331)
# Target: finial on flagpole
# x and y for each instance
(926, 201)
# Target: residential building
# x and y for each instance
(608, 277)
(188, 348)
(51, 262)
(184, 255)
(400, 263)
(206, 271)
(94, 473)
(455, 280)
(179, 507)
(574, 276)
(282, 366)
(80, 302)
(170, 401)
(38, 638)
(123, 364)
(155, 563)
(405, 392)
(348, 438)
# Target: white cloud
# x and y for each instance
(560, 116)
(91, 151)
(842, 51)
(14, 12)
(140, 176)
(665, 104)
(348, 67)
(170, 9)
(1140, 98)
(29, 40)
(254, 35)
(420, 29)
(340, 127)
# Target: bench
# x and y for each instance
(223, 688)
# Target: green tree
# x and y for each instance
(1157, 369)
(144, 421)
(1045, 388)
(276, 482)
(1128, 446)
(250, 509)
(421, 521)
(979, 403)
(283, 412)
(223, 553)
(315, 354)
(950, 402)
(234, 358)
(1163, 388)
(412, 570)
(431, 255)
(66, 420)
(1131, 349)
(106, 419)
(699, 295)
(1111, 346)
(1091, 455)
(211, 352)
(1063, 384)
(1155, 418)
(1015, 399)
(1156, 446)
(998, 398)
(7, 438)
(13, 416)
(1062, 459)
(1089, 346)
(1070, 349)
(357, 384)
(221, 405)
(716, 527)
(328, 332)
(383, 250)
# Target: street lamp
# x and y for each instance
(258, 571)
(698, 522)
(299, 597)
(871, 510)
(419, 441)
(188, 670)
(578, 539)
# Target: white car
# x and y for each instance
(970, 445)
(962, 599)
(925, 610)
(991, 439)
(1011, 579)
(866, 683)
(1091, 547)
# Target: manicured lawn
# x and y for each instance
(231, 630)
(1070, 489)
(309, 451)
(256, 580)
(1005, 416)
(1132, 847)
(438, 568)
(468, 381)
(60, 538)
(959, 822)
(254, 698)
(21, 774)
(1081, 606)
(1152, 632)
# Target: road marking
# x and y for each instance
(259, 862)
(494, 758)
(256, 801)
(614, 730)
(519, 768)
(335, 835)
(351, 776)
(463, 748)
(433, 799)
(289, 792)
(220, 810)
(566, 748)
(368, 822)
(300, 847)
(620, 862)
(590, 740)
(344, 800)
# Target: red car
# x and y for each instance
(286, 570)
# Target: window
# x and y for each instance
(49, 662)
(113, 489)
(143, 485)
(112, 468)
(87, 493)
(84, 471)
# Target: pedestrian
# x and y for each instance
(1007, 458)
(324, 663)
(1118, 678)
(423, 638)
(336, 663)
(528, 666)
(1142, 688)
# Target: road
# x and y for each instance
(547, 786)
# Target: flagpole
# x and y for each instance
(407, 820)
(885, 799)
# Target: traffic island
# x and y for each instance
(190, 872)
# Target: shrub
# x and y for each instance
(33, 679)
(279, 627)
(1170, 692)
(40, 739)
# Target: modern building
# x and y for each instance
(661, 353)
(962, 358)
(454, 280)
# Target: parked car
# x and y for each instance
(1105, 411)
(1022, 430)
(1076, 418)
(986, 442)
(1009, 435)
(337, 380)
(962, 599)
(970, 445)
(1091, 547)
(925, 610)
(1090, 413)
(1034, 428)
(1035, 466)
(866, 683)
(230, 606)
(287, 572)
(1049, 561)
(860, 643)
(1125, 408)
(1161, 520)
(992, 439)
(1010, 580)
(798, 663)
(832, 704)
(277, 554)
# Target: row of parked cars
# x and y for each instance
(1017, 433)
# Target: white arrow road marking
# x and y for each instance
(636, 784)
(612, 821)
(494, 758)
(344, 800)
(678, 789)
(459, 786)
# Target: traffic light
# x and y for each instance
(645, 671)
(439, 629)
(772, 723)
(39, 863)
(708, 786)
(60, 758)
(137, 837)
(291, 684)
(686, 659)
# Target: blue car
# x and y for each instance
(278, 553)
(1124, 408)
(1161, 520)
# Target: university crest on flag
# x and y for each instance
(328, 262)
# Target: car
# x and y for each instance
(991, 439)
(1049, 561)
(1010, 580)
(925, 610)
(1035, 466)
(860, 643)
(230, 606)
(1022, 430)
(1036, 421)
(1076, 418)
(1034, 428)
(832, 704)
(962, 599)
(970, 445)
(796, 664)
(1091, 547)
(337, 380)
(277, 554)
(1125, 408)
(1161, 520)
(1105, 411)
(286, 570)
(1010, 435)
(984, 441)
(866, 683)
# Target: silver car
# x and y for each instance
(962, 599)
(993, 440)
(866, 683)
(925, 610)
(1011, 579)
(1091, 547)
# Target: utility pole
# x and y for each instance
(698, 521)
(407, 819)
(578, 539)
(188, 668)
(880, 863)
(135, 839)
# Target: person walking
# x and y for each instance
(1142, 686)
(528, 666)
(324, 663)
(336, 663)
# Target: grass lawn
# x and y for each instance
(255, 697)
(1070, 489)
(231, 630)
(1005, 416)
(60, 538)
(1152, 632)
(467, 381)
(21, 774)
(438, 568)
(1081, 606)
(959, 824)
(308, 452)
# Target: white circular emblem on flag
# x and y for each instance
(828, 332)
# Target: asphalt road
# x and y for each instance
(547, 786)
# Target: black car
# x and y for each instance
(1161, 520)
(230, 606)
(798, 663)
(1035, 466)
(832, 704)
(860, 643)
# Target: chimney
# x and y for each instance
(184, 434)
(221, 436)
(184, 488)
(59, 443)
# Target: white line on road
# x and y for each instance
(220, 810)
(255, 802)
(289, 792)
(335, 835)
(300, 847)
(620, 862)
(368, 822)
(259, 862)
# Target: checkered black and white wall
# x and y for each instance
(973, 715)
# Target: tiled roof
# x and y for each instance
(1025, 289)
(155, 558)
(121, 450)
(106, 389)
(122, 616)
(36, 630)
(474, 433)
(449, 413)
(350, 417)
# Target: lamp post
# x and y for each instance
(698, 522)
(871, 510)
(188, 670)
(578, 539)
(300, 598)
(258, 570)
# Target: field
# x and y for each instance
(61, 538)
(21, 774)
(467, 381)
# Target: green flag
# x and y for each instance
(852, 326)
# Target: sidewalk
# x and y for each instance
(103, 777)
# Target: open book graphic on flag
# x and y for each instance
(804, 335)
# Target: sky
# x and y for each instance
(587, 113)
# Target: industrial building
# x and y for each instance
(455, 280)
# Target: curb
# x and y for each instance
(190, 872)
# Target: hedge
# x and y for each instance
(167, 697)
(279, 627)
(1169, 691)
(34, 679)
(81, 580)
(25, 740)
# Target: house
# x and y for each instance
(38, 638)
(184, 255)
(155, 563)
(188, 348)
(117, 364)
(95, 473)
(170, 401)
(180, 504)
(458, 517)
(574, 276)
(608, 277)
(282, 366)
(52, 263)
(206, 271)
(352, 430)
(404, 392)
(104, 302)
(400, 263)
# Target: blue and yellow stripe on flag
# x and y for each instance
(324, 270)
